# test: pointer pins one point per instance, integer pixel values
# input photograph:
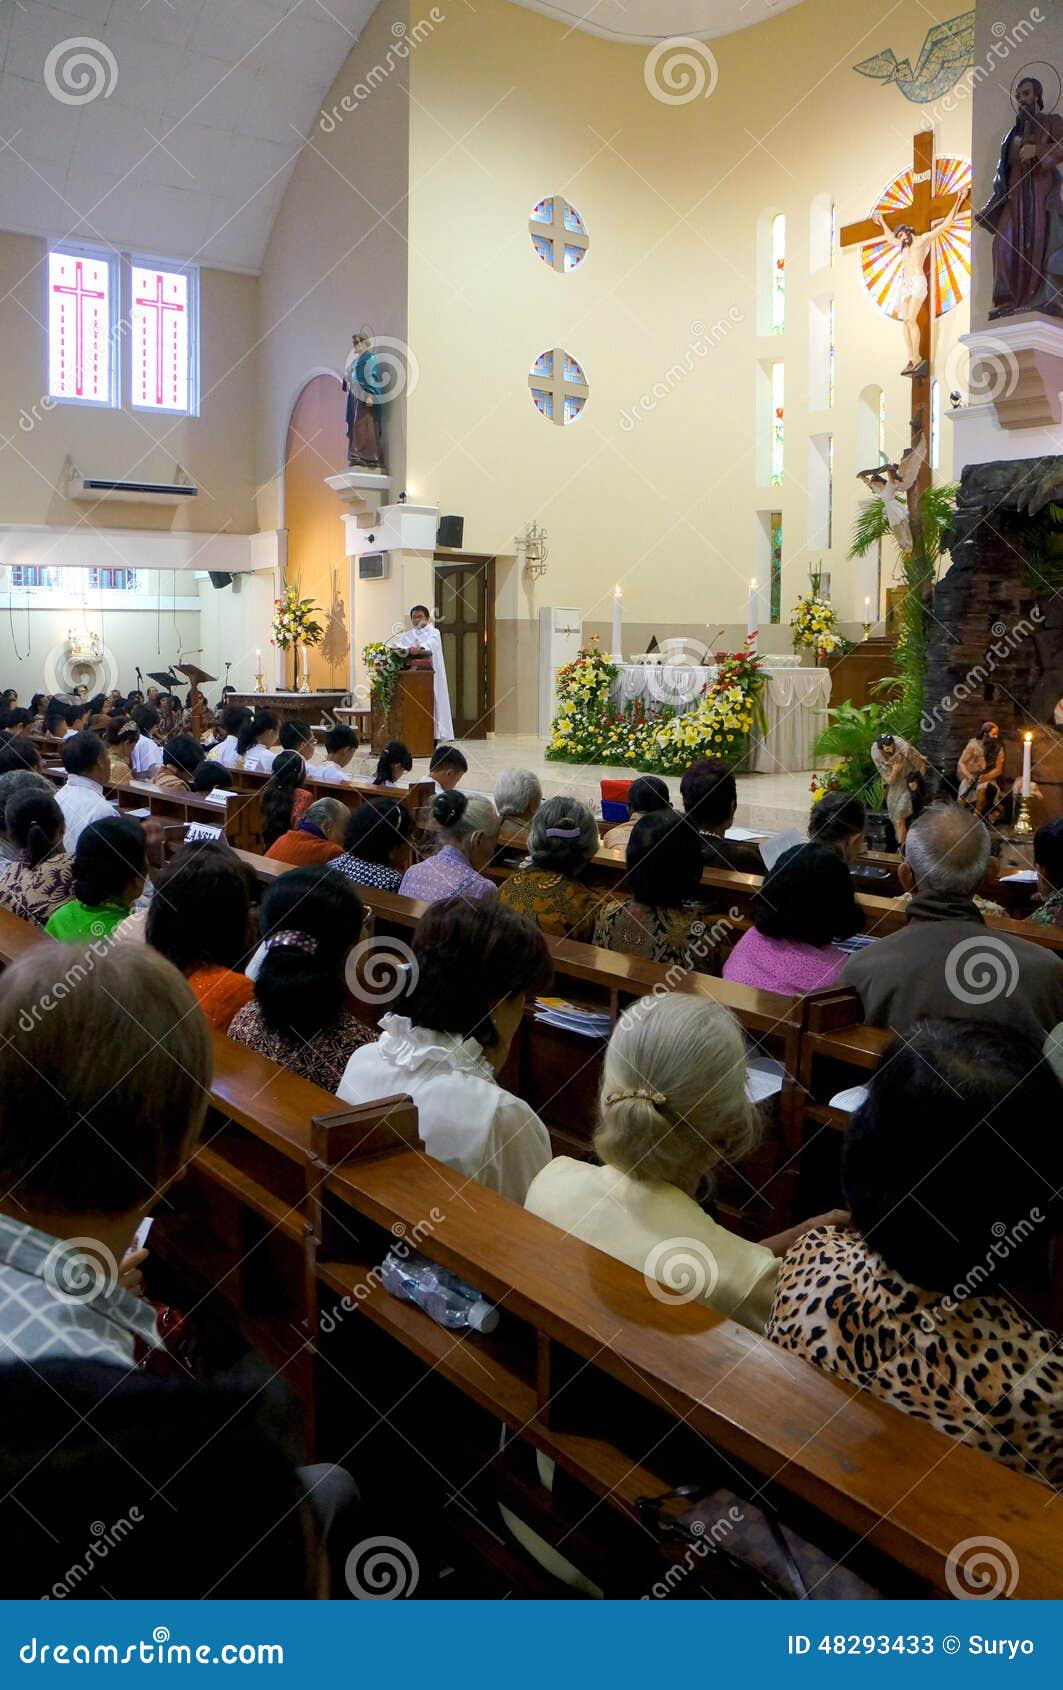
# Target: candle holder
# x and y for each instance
(867, 629)
(260, 682)
(304, 684)
(1023, 825)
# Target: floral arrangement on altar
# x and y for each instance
(814, 622)
(384, 664)
(588, 728)
(293, 620)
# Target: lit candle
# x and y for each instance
(258, 663)
(306, 664)
(618, 603)
(1027, 742)
(867, 607)
(752, 608)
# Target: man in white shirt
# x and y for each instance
(81, 798)
(423, 636)
(147, 752)
(341, 743)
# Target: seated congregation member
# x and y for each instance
(181, 757)
(446, 767)
(710, 799)
(806, 901)
(518, 795)
(81, 797)
(76, 717)
(646, 795)
(211, 777)
(475, 965)
(376, 845)
(936, 965)
(55, 722)
(466, 832)
(85, 1160)
(395, 761)
(562, 839)
(661, 919)
(256, 742)
(838, 822)
(341, 743)
(120, 736)
(200, 918)
(225, 752)
(37, 704)
(41, 878)
(672, 1110)
(16, 722)
(1048, 860)
(147, 752)
(212, 1500)
(919, 1299)
(110, 868)
(310, 921)
(318, 838)
(18, 753)
(285, 799)
(296, 736)
(18, 780)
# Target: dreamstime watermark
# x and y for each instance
(988, 371)
(31, 1016)
(707, 1541)
(104, 1539)
(28, 420)
(1005, 1242)
(80, 69)
(681, 1270)
(78, 1270)
(680, 70)
(406, 1240)
(380, 970)
(381, 1569)
(406, 39)
(1005, 41)
(1005, 641)
(981, 969)
(704, 941)
(703, 342)
(981, 1569)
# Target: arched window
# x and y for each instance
(778, 273)
(870, 427)
(822, 233)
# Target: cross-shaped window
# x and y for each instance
(559, 388)
(82, 322)
(559, 234)
(163, 349)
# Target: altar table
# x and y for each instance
(795, 702)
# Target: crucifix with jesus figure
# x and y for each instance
(921, 218)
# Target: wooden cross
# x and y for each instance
(557, 386)
(558, 233)
(926, 209)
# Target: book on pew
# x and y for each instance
(772, 849)
(745, 833)
(137, 815)
(580, 1018)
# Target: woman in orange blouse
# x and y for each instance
(200, 918)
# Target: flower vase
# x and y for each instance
(809, 656)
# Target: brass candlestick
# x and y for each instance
(260, 682)
(867, 629)
(1023, 825)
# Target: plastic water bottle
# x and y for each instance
(449, 1300)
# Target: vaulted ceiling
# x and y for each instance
(202, 108)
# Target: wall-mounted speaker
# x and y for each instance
(219, 578)
(451, 531)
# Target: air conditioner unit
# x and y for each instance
(374, 566)
(90, 488)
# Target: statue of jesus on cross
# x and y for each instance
(915, 254)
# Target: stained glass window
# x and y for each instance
(830, 491)
(82, 314)
(114, 580)
(559, 387)
(565, 248)
(950, 255)
(573, 372)
(543, 365)
(778, 274)
(163, 338)
(833, 230)
(775, 532)
(830, 353)
(777, 424)
(34, 575)
(544, 402)
(881, 424)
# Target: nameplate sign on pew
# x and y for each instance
(198, 831)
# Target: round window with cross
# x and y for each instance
(559, 234)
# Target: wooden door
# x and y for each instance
(465, 619)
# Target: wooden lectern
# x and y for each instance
(411, 717)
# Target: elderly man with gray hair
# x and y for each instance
(946, 962)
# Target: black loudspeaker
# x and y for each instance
(451, 531)
(218, 578)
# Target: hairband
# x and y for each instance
(641, 1091)
(290, 940)
(562, 833)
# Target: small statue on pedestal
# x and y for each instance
(364, 387)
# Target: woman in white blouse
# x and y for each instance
(672, 1110)
(474, 966)
(256, 742)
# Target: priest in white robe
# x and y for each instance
(424, 636)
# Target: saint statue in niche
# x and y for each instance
(915, 250)
(1025, 210)
(364, 387)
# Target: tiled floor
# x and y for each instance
(775, 801)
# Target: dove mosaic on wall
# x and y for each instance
(947, 52)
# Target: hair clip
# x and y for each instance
(562, 833)
(290, 940)
(643, 1092)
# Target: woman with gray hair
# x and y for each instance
(466, 825)
(672, 1111)
(562, 839)
(518, 795)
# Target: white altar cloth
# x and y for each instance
(795, 702)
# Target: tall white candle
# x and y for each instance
(306, 664)
(1027, 744)
(258, 662)
(618, 604)
(753, 608)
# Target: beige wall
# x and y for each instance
(673, 197)
(216, 448)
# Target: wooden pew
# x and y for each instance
(414, 798)
(240, 818)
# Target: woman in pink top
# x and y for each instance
(806, 901)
